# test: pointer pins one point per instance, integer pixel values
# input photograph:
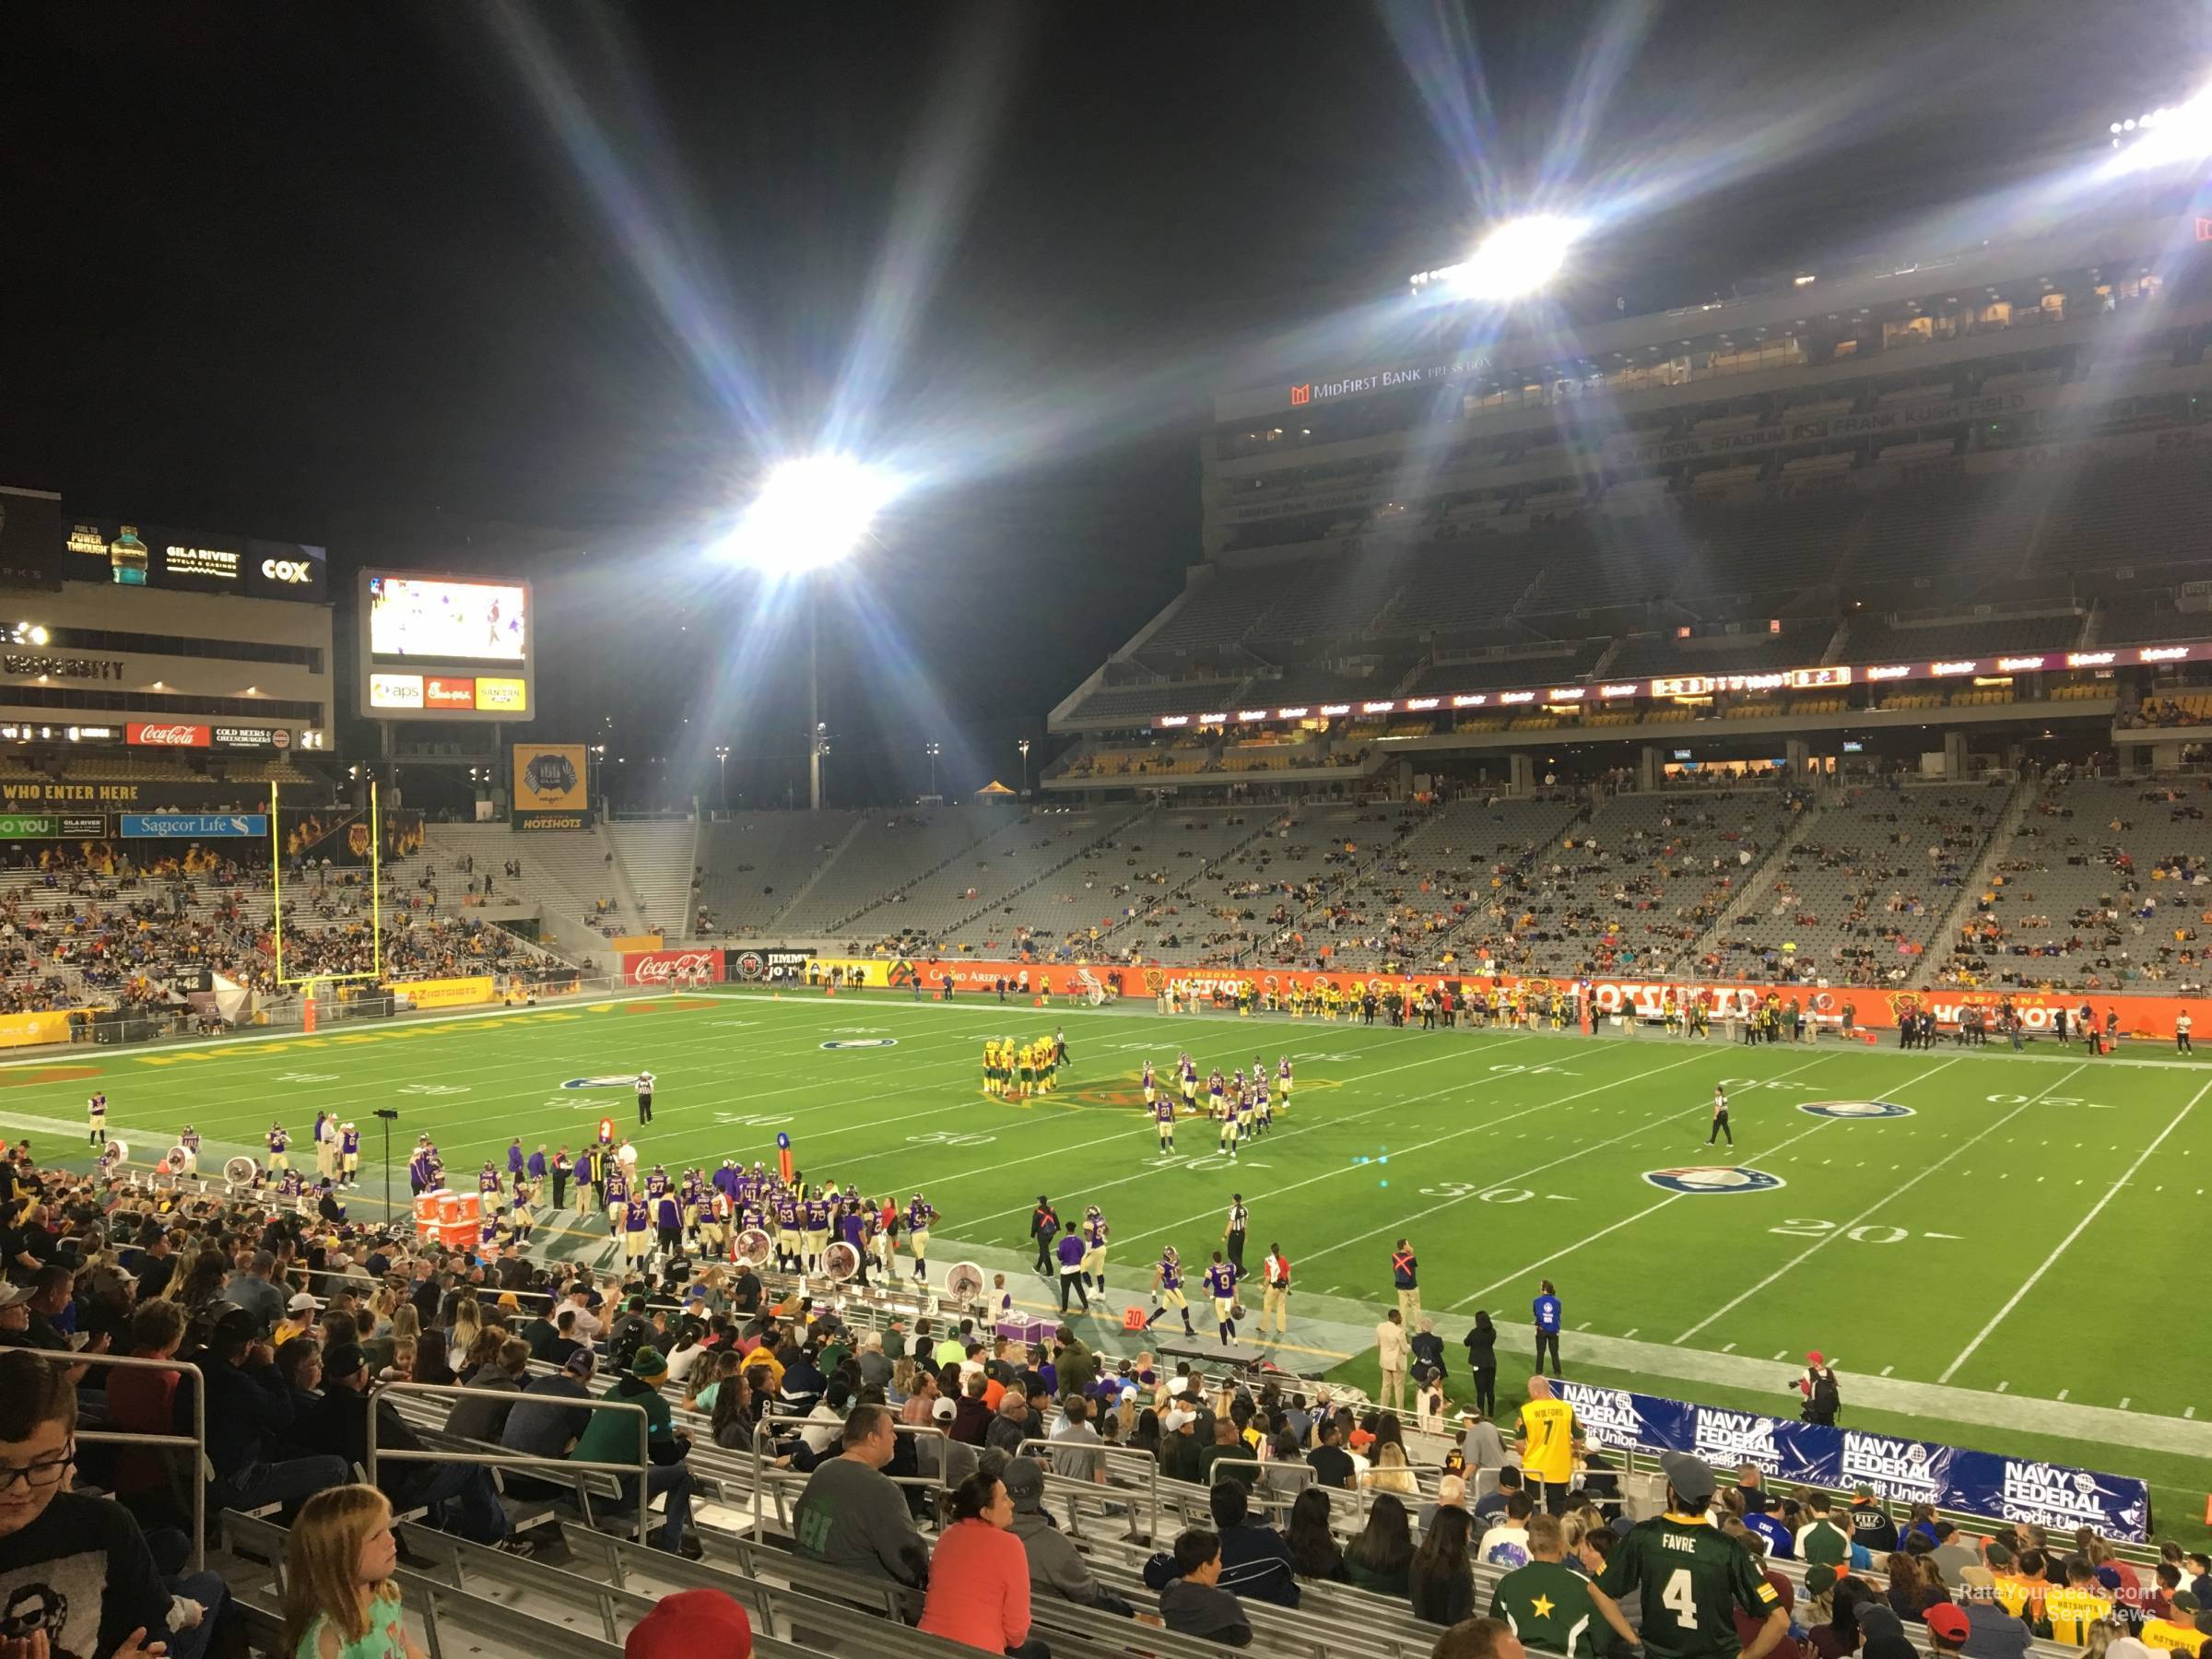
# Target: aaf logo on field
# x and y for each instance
(863, 1042)
(1855, 1109)
(1704, 1180)
(622, 1082)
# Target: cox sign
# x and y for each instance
(672, 967)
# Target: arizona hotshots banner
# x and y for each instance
(551, 787)
(1859, 1007)
(695, 967)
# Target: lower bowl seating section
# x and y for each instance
(1642, 883)
(2106, 885)
(579, 1584)
(756, 862)
(1396, 882)
(1860, 895)
(1182, 890)
(887, 855)
(988, 894)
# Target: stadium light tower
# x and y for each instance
(722, 760)
(1513, 261)
(933, 750)
(813, 513)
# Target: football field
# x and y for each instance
(1991, 1247)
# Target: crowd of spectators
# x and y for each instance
(293, 1316)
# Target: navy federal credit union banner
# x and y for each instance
(1909, 1471)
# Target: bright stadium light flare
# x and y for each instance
(1514, 260)
(812, 513)
(2160, 136)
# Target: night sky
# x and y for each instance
(435, 282)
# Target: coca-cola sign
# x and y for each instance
(170, 735)
(672, 967)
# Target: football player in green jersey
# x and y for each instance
(1689, 1577)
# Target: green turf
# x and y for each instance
(1506, 1157)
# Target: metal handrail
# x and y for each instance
(764, 1459)
(1107, 1456)
(521, 1460)
(197, 1440)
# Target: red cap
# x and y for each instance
(1814, 1358)
(1947, 1621)
(691, 1622)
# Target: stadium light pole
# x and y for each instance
(722, 761)
(933, 750)
(812, 513)
(1024, 747)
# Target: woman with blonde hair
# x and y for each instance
(339, 1601)
(464, 1320)
(1392, 1473)
(382, 1303)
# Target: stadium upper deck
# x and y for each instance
(1953, 495)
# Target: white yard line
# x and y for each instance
(1146, 1174)
(2067, 1244)
(1440, 1140)
(1794, 1262)
(1640, 1214)
(1640, 1128)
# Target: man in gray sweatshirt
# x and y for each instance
(1055, 1565)
(851, 1517)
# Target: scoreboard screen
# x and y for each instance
(440, 647)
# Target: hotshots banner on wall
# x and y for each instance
(1907, 1471)
(551, 786)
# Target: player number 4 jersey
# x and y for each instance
(1689, 1578)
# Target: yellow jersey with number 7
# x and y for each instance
(1548, 1426)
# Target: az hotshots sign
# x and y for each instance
(672, 967)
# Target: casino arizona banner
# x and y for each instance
(1904, 1471)
(1871, 1008)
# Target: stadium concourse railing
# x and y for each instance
(769, 1478)
(1111, 1462)
(196, 1475)
(521, 1462)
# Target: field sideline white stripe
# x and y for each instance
(1565, 1158)
(1887, 1199)
(2066, 1243)
(1651, 1208)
